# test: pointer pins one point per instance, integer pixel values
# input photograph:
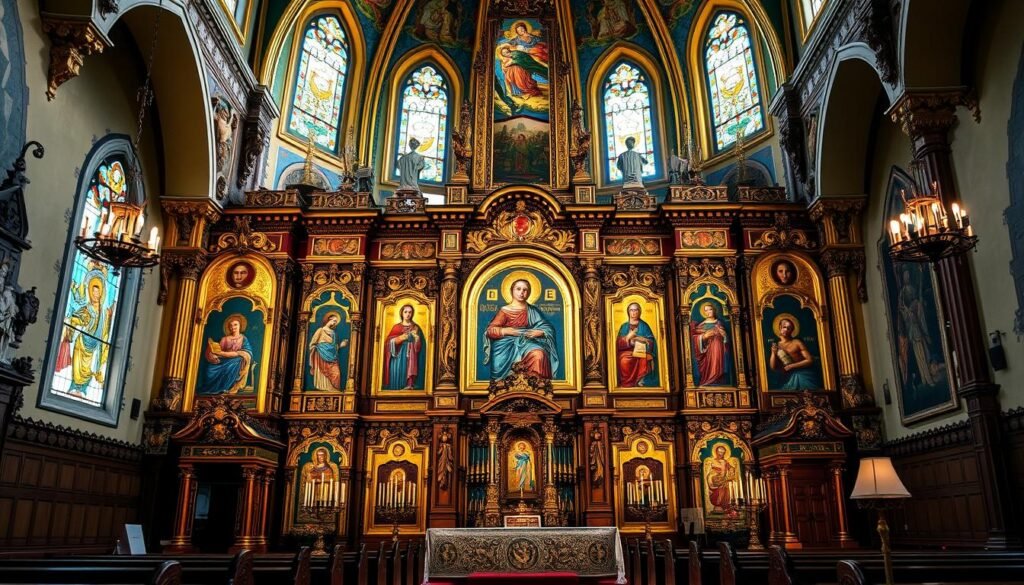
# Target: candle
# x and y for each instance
(412, 500)
(343, 486)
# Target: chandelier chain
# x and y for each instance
(145, 93)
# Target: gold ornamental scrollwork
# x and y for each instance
(243, 238)
(70, 42)
(405, 250)
(782, 236)
(386, 283)
(651, 279)
(520, 225)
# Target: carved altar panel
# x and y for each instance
(396, 488)
(643, 457)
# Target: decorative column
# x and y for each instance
(926, 117)
(181, 542)
(781, 510)
(445, 493)
(551, 516)
(842, 530)
(259, 119)
(593, 324)
(187, 267)
(249, 493)
(597, 495)
(492, 512)
(839, 264)
(266, 483)
(448, 339)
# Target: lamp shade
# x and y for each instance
(877, 479)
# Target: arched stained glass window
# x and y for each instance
(86, 359)
(424, 116)
(628, 114)
(733, 87)
(320, 82)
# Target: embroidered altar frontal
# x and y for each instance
(588, 552)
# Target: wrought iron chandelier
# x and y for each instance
(117, 238)
(928, 231)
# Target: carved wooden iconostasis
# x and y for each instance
(529, 351)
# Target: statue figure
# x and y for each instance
(580, 148)
(631, 164)
(462, 143)
(8, 309)
(364, 178)
(410, 165)
(678, 169)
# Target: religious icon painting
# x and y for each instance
(403, 360)
(320, 482)
(521, 469)
(230, 343)
(232, 350)
(917, 336)
(722, 461)
(645, 482)
(791, 346)
(711, 343)
(636, 342)
(327, 348)
(521, 320)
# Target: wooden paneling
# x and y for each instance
(947, 506)
(60, 490)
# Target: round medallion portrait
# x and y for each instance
(240, 275)
(783, 272)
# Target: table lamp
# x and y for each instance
(880, 488)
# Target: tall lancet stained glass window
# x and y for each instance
(320, 82)
(424, 116)
(627, 113)
(81, 370)
(733, 87)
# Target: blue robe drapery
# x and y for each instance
(505, 352)
(221, 377)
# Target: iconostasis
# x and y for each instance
(518, 359)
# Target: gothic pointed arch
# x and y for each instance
(424, 85)
(625, 94)
(325, 52)
(734, 61)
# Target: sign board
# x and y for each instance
(132, 542)
(523, 521)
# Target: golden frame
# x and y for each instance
(616, 312)
(748, 464)
(428, 54)
(808, 289)
(353, 79)
(409, 450)
(425, 315)
(295, 484)
(302, 353)
(214, 291)
(622, 51)
(240, 33)
(472, 332)
(644, 445)
(760, 29)
(731, 305)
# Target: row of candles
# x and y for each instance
(323, 493)
(395, 494)
(481, 468)
(928, 217)
(645, 492)
(750, 490)
(122, 226)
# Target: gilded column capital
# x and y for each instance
(189, 215)
(838, 219)
(70, 42)
(920, 113)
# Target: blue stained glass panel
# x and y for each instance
(320, 83)
(733, 88)
(627, 113)
(424, 116)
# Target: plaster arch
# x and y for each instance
(848, 113)
(923, 62)
(181, 97)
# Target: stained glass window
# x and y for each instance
(320, 82)
(86, 359)
(810, 11)
(628, 114)
(424, 116)
(733, 87)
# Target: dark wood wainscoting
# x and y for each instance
(63, 490)
(947, 507)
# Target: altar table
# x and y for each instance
(592, 554)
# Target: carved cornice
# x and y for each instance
(782, 236)
(225, 420)
(807, 417)
(620, 429)
(689, 270)
(520, 224)
(928, 112)
(644, 278)
(49, 435)
(243, 238)
(419, 432)
(387, 282)
(952, 435)
(271, 198)
(71, 41)
(838, 218)
(698, 428)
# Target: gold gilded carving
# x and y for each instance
(520, 381)
(649, 279)
(592, 346)
(687, 270)
(697, 193)
(268, 198)
(335, 246)
(322, 404)
(340, 200)
(716, 400)
(70, 42)
(244, 238)
(400, 406)
(782, 236)
(447, 363)
(633, 246)
(408, 250)
(634, 200)
(520, 225)
(748, 194)
(703, 239)
(579, 152)
(646, 403)
(919, 113)
(385, 283)
(462, 144)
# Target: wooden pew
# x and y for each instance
(300, 567)
(693, 562)
(849, 573)
(336, 566)
(780, 567)
(726, 564)
(168, 573)
(240, 570)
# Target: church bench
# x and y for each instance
(166, 573)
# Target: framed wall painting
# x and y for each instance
(637, 350)
(403, 356)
